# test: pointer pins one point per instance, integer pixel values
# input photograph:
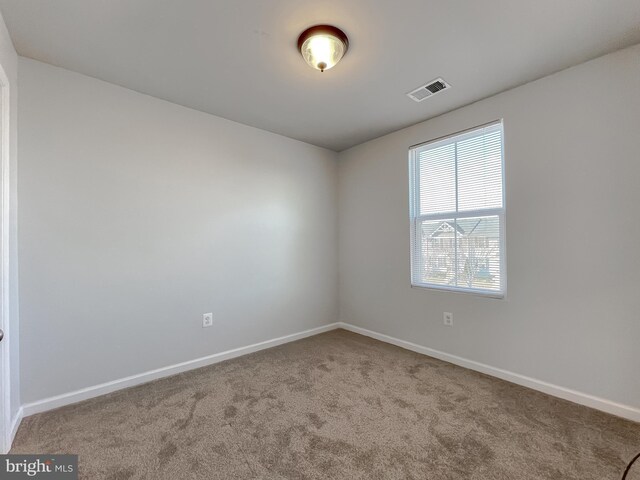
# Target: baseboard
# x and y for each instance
(618, 409)
(621, 410)
(108, 387)
(15, 425)
(13, 429)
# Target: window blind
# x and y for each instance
(457, 212)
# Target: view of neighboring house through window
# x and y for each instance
(457, 212)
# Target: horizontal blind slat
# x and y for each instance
(456, 175)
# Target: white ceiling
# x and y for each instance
(238, 58)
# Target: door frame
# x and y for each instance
(5, 374)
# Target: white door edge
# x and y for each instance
(5, 373)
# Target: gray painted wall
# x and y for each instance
(572, 170)
(137, 216)
(9, 61)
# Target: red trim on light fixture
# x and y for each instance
(320, 30)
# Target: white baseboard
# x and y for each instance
(108, 387)
(618, 409)
(13, 429)
(602, 404)
(15, 424)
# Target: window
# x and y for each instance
(457, 212)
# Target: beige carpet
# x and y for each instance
(334, 406)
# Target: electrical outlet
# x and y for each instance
(207, 320)
(448, 319)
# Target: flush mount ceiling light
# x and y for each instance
(322, 46)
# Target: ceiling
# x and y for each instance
(237, 58)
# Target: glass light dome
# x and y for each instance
(322, 46)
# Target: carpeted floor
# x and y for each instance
(334, 406)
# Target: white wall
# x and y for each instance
(138, 216)
(571, 318)
(9, 62)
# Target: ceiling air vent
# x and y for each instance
(425, 91)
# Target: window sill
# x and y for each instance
(477, 293)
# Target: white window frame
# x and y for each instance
(415, 217)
